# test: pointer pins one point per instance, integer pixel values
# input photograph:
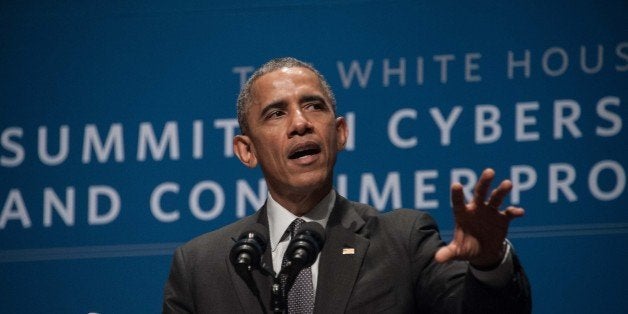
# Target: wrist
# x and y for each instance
(491, 261)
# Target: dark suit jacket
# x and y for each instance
(391, 271)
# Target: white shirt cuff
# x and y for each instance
(500, 276)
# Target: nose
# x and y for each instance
(299, 124)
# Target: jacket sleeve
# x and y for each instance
(451, 288)
(515, 297)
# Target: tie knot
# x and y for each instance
(295, 226)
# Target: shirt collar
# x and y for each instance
(279, 218)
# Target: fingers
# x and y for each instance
(480, 195)
(482, 186)
(513, 212)
(457, 197)
(498, 195)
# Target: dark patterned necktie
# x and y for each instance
(301, 295)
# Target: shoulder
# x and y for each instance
(363, 210)
(409, 216)
(216, 243)
(400, 219)
(406, 219)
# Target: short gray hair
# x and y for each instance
(245, 97)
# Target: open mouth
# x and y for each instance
(305, 150)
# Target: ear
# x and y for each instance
(243, 148)
(342, 133)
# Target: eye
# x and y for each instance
(315, 106)
(273, 114)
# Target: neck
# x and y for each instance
(301, 203)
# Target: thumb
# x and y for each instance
(445, 254)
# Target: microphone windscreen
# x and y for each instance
(315, 229)
(259, 230)
(248, 249)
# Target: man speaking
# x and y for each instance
(368, 262)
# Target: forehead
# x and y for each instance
(284, 82)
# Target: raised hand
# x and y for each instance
(480, 226)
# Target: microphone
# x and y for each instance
(301, 253)
(305, 246)
(246, 253)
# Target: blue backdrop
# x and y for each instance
(116, 122)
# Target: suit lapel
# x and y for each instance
(340, 258)
(249, 301)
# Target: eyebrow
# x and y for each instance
(310, 98)
(280, 104)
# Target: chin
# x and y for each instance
(312, 182)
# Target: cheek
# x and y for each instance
(269, 153)
(334, 143)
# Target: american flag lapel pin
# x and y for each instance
(348, 251)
